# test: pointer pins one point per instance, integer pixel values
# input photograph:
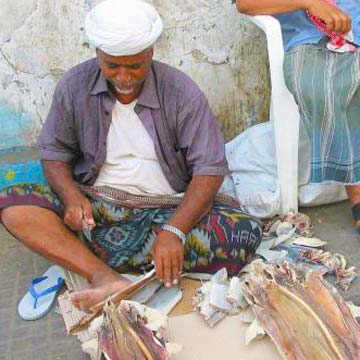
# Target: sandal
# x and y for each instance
(42, 294)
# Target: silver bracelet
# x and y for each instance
(174, 230)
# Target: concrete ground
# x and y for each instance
(46, 338)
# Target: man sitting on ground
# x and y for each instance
(135, 158)
(322, 68)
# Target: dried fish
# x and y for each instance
(254, 331)
(309, 241)
(219, 297)
(335, 263)
(272, 255)
(345, 277)
(303, 314)
(156, 321)
(144, 294)
(235, 295)
(247, 315)
(197, 276)
(299, 220)
(201, 302)
(145, 289)
(275, 241)
(165, 299)
(284, 228)
(124, 335)
(271, 226)
(355, 310)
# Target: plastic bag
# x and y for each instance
(253, 179)
(251, 157)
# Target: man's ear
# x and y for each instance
(98, 55)
(151, 52)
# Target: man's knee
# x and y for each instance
(17, 216)
(11, 216)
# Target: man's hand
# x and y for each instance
(334, 18)
(77, 210)
(77, 206)
(168, 254)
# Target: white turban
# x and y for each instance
(123, 27)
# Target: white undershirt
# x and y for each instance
(131, 163)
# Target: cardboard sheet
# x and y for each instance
(225, 341)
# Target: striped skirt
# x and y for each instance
(326, 87)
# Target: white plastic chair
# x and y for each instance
(284, 114)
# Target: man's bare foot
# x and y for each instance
(102, 286)
(353, 192)
(357, 225)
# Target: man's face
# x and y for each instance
(125, 73)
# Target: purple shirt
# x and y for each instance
(171, 106)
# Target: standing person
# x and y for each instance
(322, 70)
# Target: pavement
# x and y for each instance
(43, 339)
(46, 338)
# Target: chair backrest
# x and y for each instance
(284, 114)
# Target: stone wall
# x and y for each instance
(207, 39)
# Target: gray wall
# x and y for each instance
(207, 39)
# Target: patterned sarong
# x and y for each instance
(124, 235)
(326, 86)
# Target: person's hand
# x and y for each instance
(334, 18)
(168, 255)
(78, 210)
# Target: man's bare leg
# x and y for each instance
(353, 192)
(43, 231)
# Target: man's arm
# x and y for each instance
(201, 142)
(270, 7)
(335, 19)
(58, 147)
(77, 206)
(197, 202)
(168, 250)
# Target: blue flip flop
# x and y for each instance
(42, 294)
